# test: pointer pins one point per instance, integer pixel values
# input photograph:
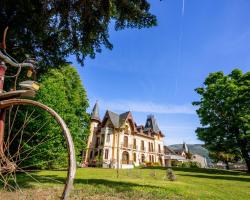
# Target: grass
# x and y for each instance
(136, 184)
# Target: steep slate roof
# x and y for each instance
(114, 118)
(151, 124)
(169, 149)
(95, 112)
(118, 120)
(123, 118)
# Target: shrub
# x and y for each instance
(170, 175)
(148, 164)
(155, 164)
(191, 164)
(195, 165)
(176, 163)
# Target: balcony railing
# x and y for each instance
(129, 146)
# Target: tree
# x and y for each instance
(62, 90)
(224, 157)
(224, 113)
(53, 30)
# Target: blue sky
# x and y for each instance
(155, 71)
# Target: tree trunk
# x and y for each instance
(246, 157)
(227, 165)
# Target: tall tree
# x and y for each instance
(224, 113)
(62, 90)
(51, 30)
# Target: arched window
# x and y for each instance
(125, 157)
(125, 144)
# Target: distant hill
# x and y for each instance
(194, 149)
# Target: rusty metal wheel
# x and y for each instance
(38, 152)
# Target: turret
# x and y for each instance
(95, 121)
(95, 113)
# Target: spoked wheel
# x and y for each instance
(38, 152)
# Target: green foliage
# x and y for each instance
(225, 157)
(53, 30)
(188, 155)
(190, 164)
(224, 113)
(62, 90)
(176, 163)
(152, 164)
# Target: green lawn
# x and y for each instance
(97, 183)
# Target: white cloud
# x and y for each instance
(147, 107)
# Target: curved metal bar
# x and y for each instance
(12, 63)
(67, 135)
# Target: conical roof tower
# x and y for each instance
(95, 112)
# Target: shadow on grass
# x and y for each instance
(210, 171)
(26, 182)
(229, 178)
(118, 186)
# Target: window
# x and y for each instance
(149, 146)
(142, 145)
(152, 147)
(159, 148)
(97, 142)
(108, 138)
(91, 154)
(125, 142)
(125, 157)
(134, 145)
(142, 158)
(102, 139)
(96, 154)
(100, 153)
(134, 157)
(106, 154)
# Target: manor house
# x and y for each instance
(117, 141)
